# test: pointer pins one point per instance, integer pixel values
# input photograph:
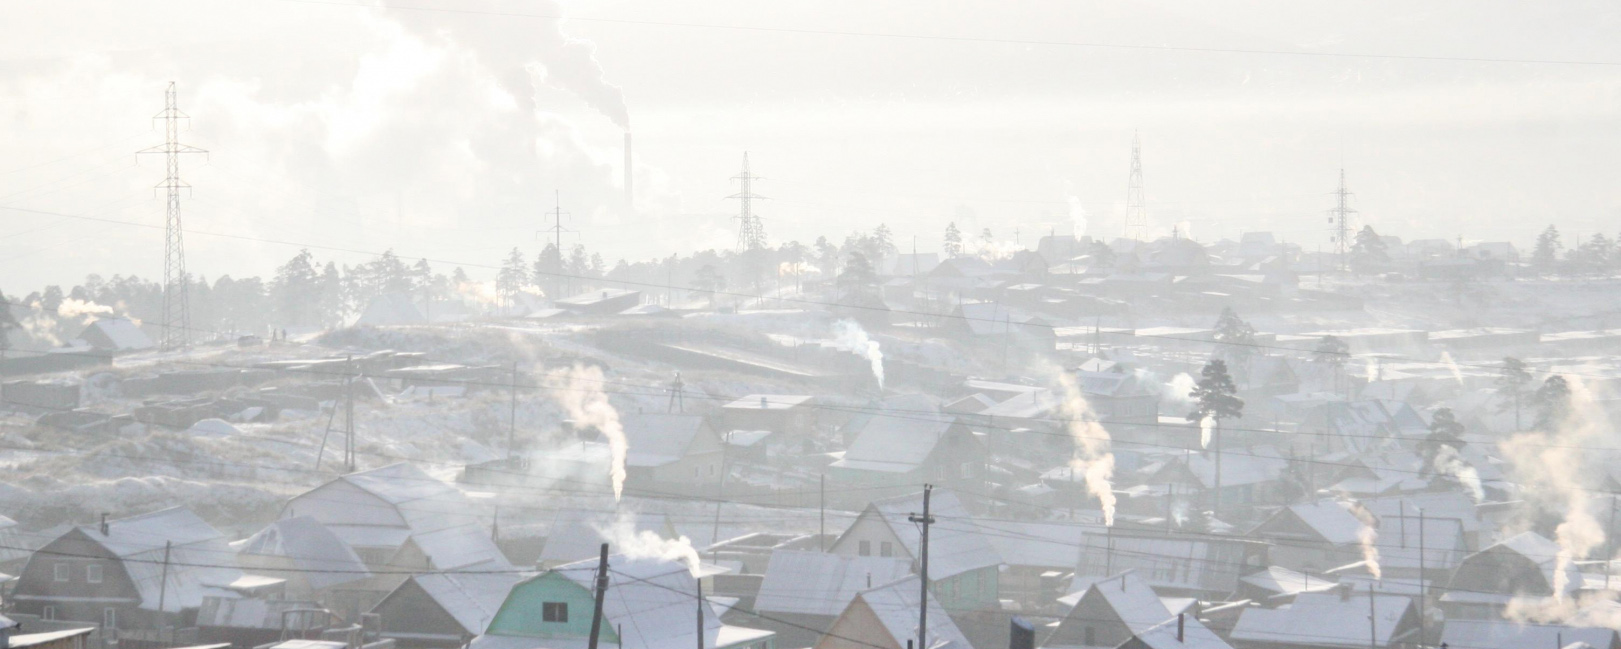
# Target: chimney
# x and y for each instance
(106, 529)
(1021, 634)
(629, 174)
(1181, 628)
(1345, 592)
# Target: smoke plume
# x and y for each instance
(1205, 426)
(1449, 462)
(623, 537)
(1092, 445)
(1368, 536)
(579, 391)
(1551, 464)
(849, 335)
(72, 308)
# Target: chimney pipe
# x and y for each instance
(1181, 628)
(1021, 634)
(106, 529)
(629, 174)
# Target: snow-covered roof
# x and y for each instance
(956, 544)
(1325, 620)
(462, 547)
(1186, 632)
(117, 334)
(1131, 599)
(769, 402)
(1330, 519)
(896, 443)
(1504, 634)
(1055, 544)
(471, 598)
(323, 557)
(818, 583)
(658, 438)
(198, 556)
(1281, 580)
(896, 606)
(652, 598)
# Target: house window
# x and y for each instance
(866, 548)
(554, 611)
(1091, 637)
(109, 618)
(64, 572)
(92, 573)
(48, 614)
(886, 549)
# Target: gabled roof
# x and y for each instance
(1128, 596)
(198, 558)
(896, 606)
(1331, 520)
(426, 503)
(323, 557)
(1184, 633)
(818, 583)
(896, 442)
(956, 544)
(462, 547)
(1281, 580)
(1055, 544)
(117, 334)
(1504, 634)
(471, 598)
(1325, 620)
(658, 438)
(652, 600)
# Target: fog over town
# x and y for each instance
(552, 324)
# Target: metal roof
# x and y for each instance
(817, 583)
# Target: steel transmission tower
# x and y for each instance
(176, 310)
(750, 231)
(1339, 223)
(1136, 203)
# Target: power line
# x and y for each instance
(979, 39)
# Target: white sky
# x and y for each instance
(364, 129)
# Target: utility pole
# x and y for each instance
(557, 231)
(700, 611)
(1609, 543)
(1373, 622)
(678, 402)
(349, 416)
(1136, 203)
(176, 309)
(923, 600)
(602, 590)
(512, 419)
(1423, 584)
(1339, 220)
(821, 512)
(750, 232)
(163, 581)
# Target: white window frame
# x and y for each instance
(62, 571)
(48, 613)
(109, 618)
(93, 573)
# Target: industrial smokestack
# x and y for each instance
(629, 194)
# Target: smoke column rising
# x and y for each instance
(1092, 444)
(1368, 536)
(579, 391)
(849, 335)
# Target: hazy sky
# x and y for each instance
(446, 133)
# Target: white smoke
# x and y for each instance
(1368, 536)
(73, 308)
(849, 336)
(1446, 357)
(1180, 389)
(579, 390)
(999, 250)
(519, 56)
(1092, 444)
(1206, 425)
(623, 538)
(1077, 215)
(1550, 466)
(1449, 462)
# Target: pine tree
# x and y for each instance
(1102, 255)
(1237, 338)
(512, 277)
(1547, 249)
(295, 289)
(1512, 381)
(708, 281)
(1216, 398)
(7, 321)
(1333, 353)
(953, 241)
(1368, 251)
(1553, 402)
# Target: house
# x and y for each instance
(317, 565)
(391, 309)
(116, 335)
(1314, 537)
(1036, 554)
(1109, 612)
(909, 443)
(804, 592)
(963, 565)
(1182, 632)
(989, 322)
(1183, 563)
(887, 617)
(442, 610)
(1252, 476)
(605, 301)
(793, 414)
(671, 452)
(135, 572)
(1122, 397)
(1277, 584)
(256, 621)
(1524, 566)
(1333, 619)
(1509, 634)
(650, 604)
(378, 510)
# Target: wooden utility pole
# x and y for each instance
(821, 512)
(923, 600)
(163, 581)
(602, 591)
(512, 418)
(700, 612)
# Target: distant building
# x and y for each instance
(1328, 620)
(116, 335)
(886, 617)
(443, 610)
(672, 452)
(963, 565)
(605, 301)
(804, 592)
